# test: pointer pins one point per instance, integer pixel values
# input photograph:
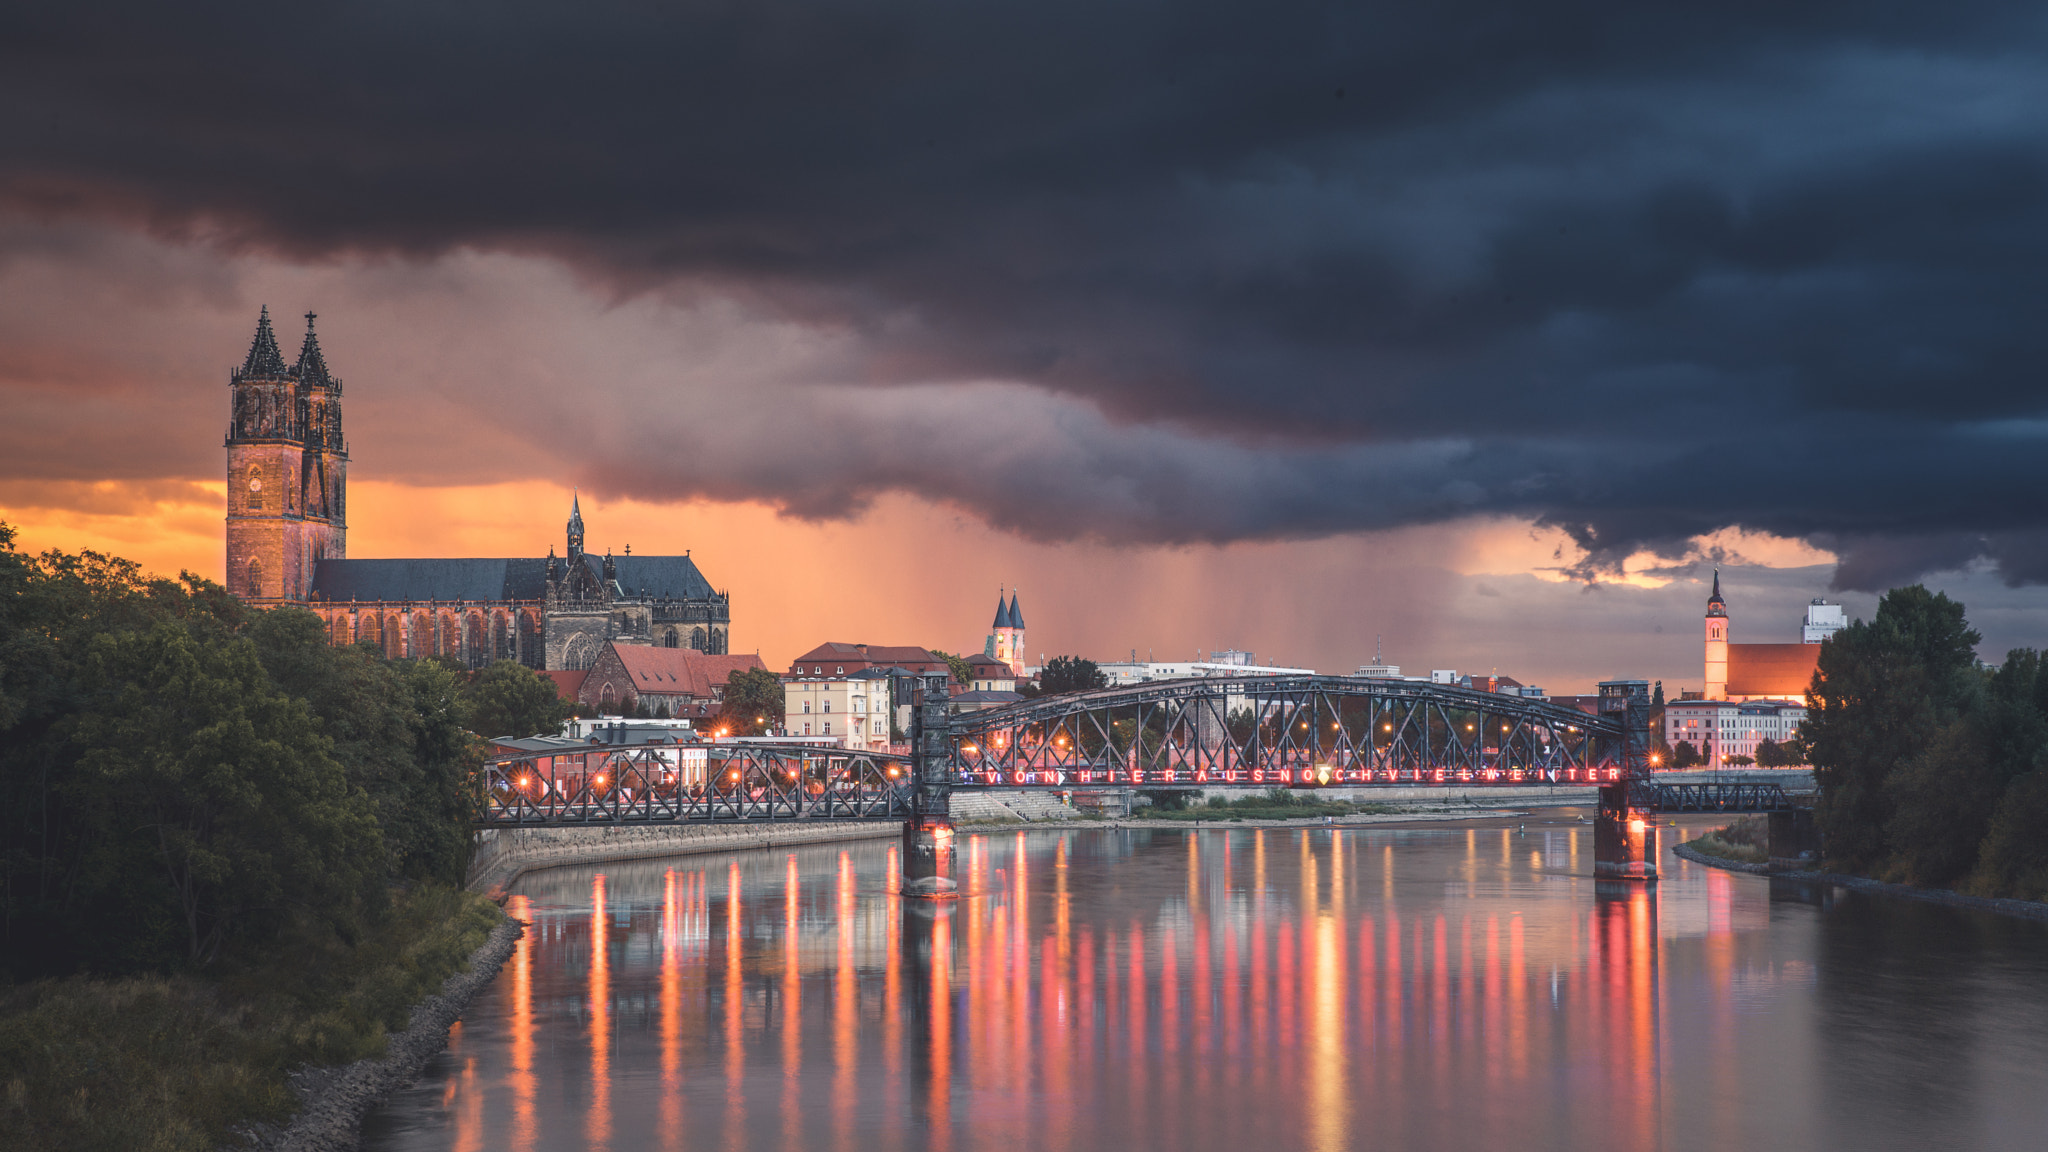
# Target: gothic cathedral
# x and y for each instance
(287, 536)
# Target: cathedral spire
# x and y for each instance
(1016, 613)
(575, 528)
(1715, 605)
(312, 367)
(264, 360)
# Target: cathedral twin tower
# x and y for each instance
(287, 543)
(287, 470)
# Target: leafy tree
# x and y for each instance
(1657, 695)
(1882, 693)
(69, 896)
(1945, 796)
(509, 699)
(188, 745)
(398, 732)
(184, 775)
(1740, 761)
(2014, 858)
(1662, 756)
(1685, 755)
(1770, 754)
(753, 703)
(956, 666)
(1070, 674)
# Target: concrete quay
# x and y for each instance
(504, 854)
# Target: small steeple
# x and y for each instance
(1002, 611)
(264, 362)
(1016, 613)
(1715, 605)
(312, 366)
(575, 527)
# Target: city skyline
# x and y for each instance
(1244, 330)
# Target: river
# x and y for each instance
(1253, 990)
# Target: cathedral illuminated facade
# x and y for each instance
(287, 537)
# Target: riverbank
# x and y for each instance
(333, 1100)
(194, 1062)
(2025, 909)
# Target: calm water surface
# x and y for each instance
(1439, 988)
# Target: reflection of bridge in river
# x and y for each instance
(1274, 731)
(1346, 981)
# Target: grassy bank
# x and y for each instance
(178, 1062)
(1746, 841)
(1273, 804)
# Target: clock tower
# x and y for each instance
(287, 470)
(1717, 643)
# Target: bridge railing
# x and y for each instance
(665, 783)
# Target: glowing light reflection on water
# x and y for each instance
(1311, 988)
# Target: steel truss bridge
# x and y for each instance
(1284, 730)
(1273, 731)
(658, 784)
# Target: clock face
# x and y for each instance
(255, 483)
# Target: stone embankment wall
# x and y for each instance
(505, 853)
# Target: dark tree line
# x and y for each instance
(1933, 769)
(180, 776)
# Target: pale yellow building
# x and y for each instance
(853, 707)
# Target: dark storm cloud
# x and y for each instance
(1640, 271)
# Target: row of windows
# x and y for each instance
(859, 705)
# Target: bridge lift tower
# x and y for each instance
(1625, 832)
(928, 834)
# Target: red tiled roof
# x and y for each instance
(567, 684)
(902, 654)
(1781, 670)
(833, 650)
(840, 655)
(681, 671)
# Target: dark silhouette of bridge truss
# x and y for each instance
(655, 784)
(1272, 731)
(1285, 730)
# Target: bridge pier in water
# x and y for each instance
(928, 858)
(1624, 837)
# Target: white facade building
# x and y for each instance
(1723, 728)
(1822, 621)
(1123, 673)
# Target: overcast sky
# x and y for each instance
(1486, 327)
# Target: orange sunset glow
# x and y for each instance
(904, 570)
